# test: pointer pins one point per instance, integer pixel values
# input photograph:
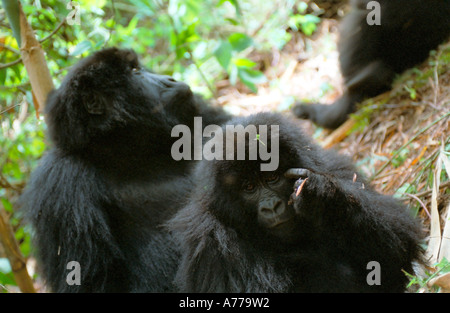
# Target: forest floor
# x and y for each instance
(400, 140)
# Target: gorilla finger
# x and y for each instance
(299, 189)
(297, 173)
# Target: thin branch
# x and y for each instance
(428, 192)
(5, 65)
(6, 110)
(2, 45)
(53, 32)
(20, 87)
(14, 255)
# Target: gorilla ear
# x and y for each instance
(95, 104)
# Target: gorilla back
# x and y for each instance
(100, 194)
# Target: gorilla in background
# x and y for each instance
(99, 195)
(312, 225)
(372, 55)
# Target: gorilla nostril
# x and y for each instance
(169, 82)
(169, 79)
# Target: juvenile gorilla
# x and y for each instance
(312, 225)
(372, 55)
(100, 194)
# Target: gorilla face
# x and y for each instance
(256, 203)
(162, 91)
(263, 199)
(163, 88)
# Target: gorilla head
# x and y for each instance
(110, 90)
(265, 213)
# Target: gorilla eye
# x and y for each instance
(272, 178)
(135, 69)
(248, 187)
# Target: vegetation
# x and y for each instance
(246, 55)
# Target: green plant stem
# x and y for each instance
(211, 89)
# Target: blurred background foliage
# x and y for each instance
(200, 42)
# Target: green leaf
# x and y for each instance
(110, 23)
(132, 25)
(307, 23)
(11, 9)
(7, 205)
(16, 70)
(251, 77)
(302, 6)
(235, 3)
(188, 34)
(242, 62)
(232, 21)
(240, 41)
(81, 47)
(7, 279)
(2, 76)
(223, 53)
(412, 92)
(402, 190)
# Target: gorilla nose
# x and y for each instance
(170, 82)
(271, 208)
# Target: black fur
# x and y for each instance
(332, 230)
(100, 194)
(372, 55)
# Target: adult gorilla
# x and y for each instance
(372, 55)
(247, 230)
(100, 194)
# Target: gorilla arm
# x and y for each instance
(69, 224)
(355, 214)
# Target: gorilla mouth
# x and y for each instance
(282, 228)
(279, 223)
